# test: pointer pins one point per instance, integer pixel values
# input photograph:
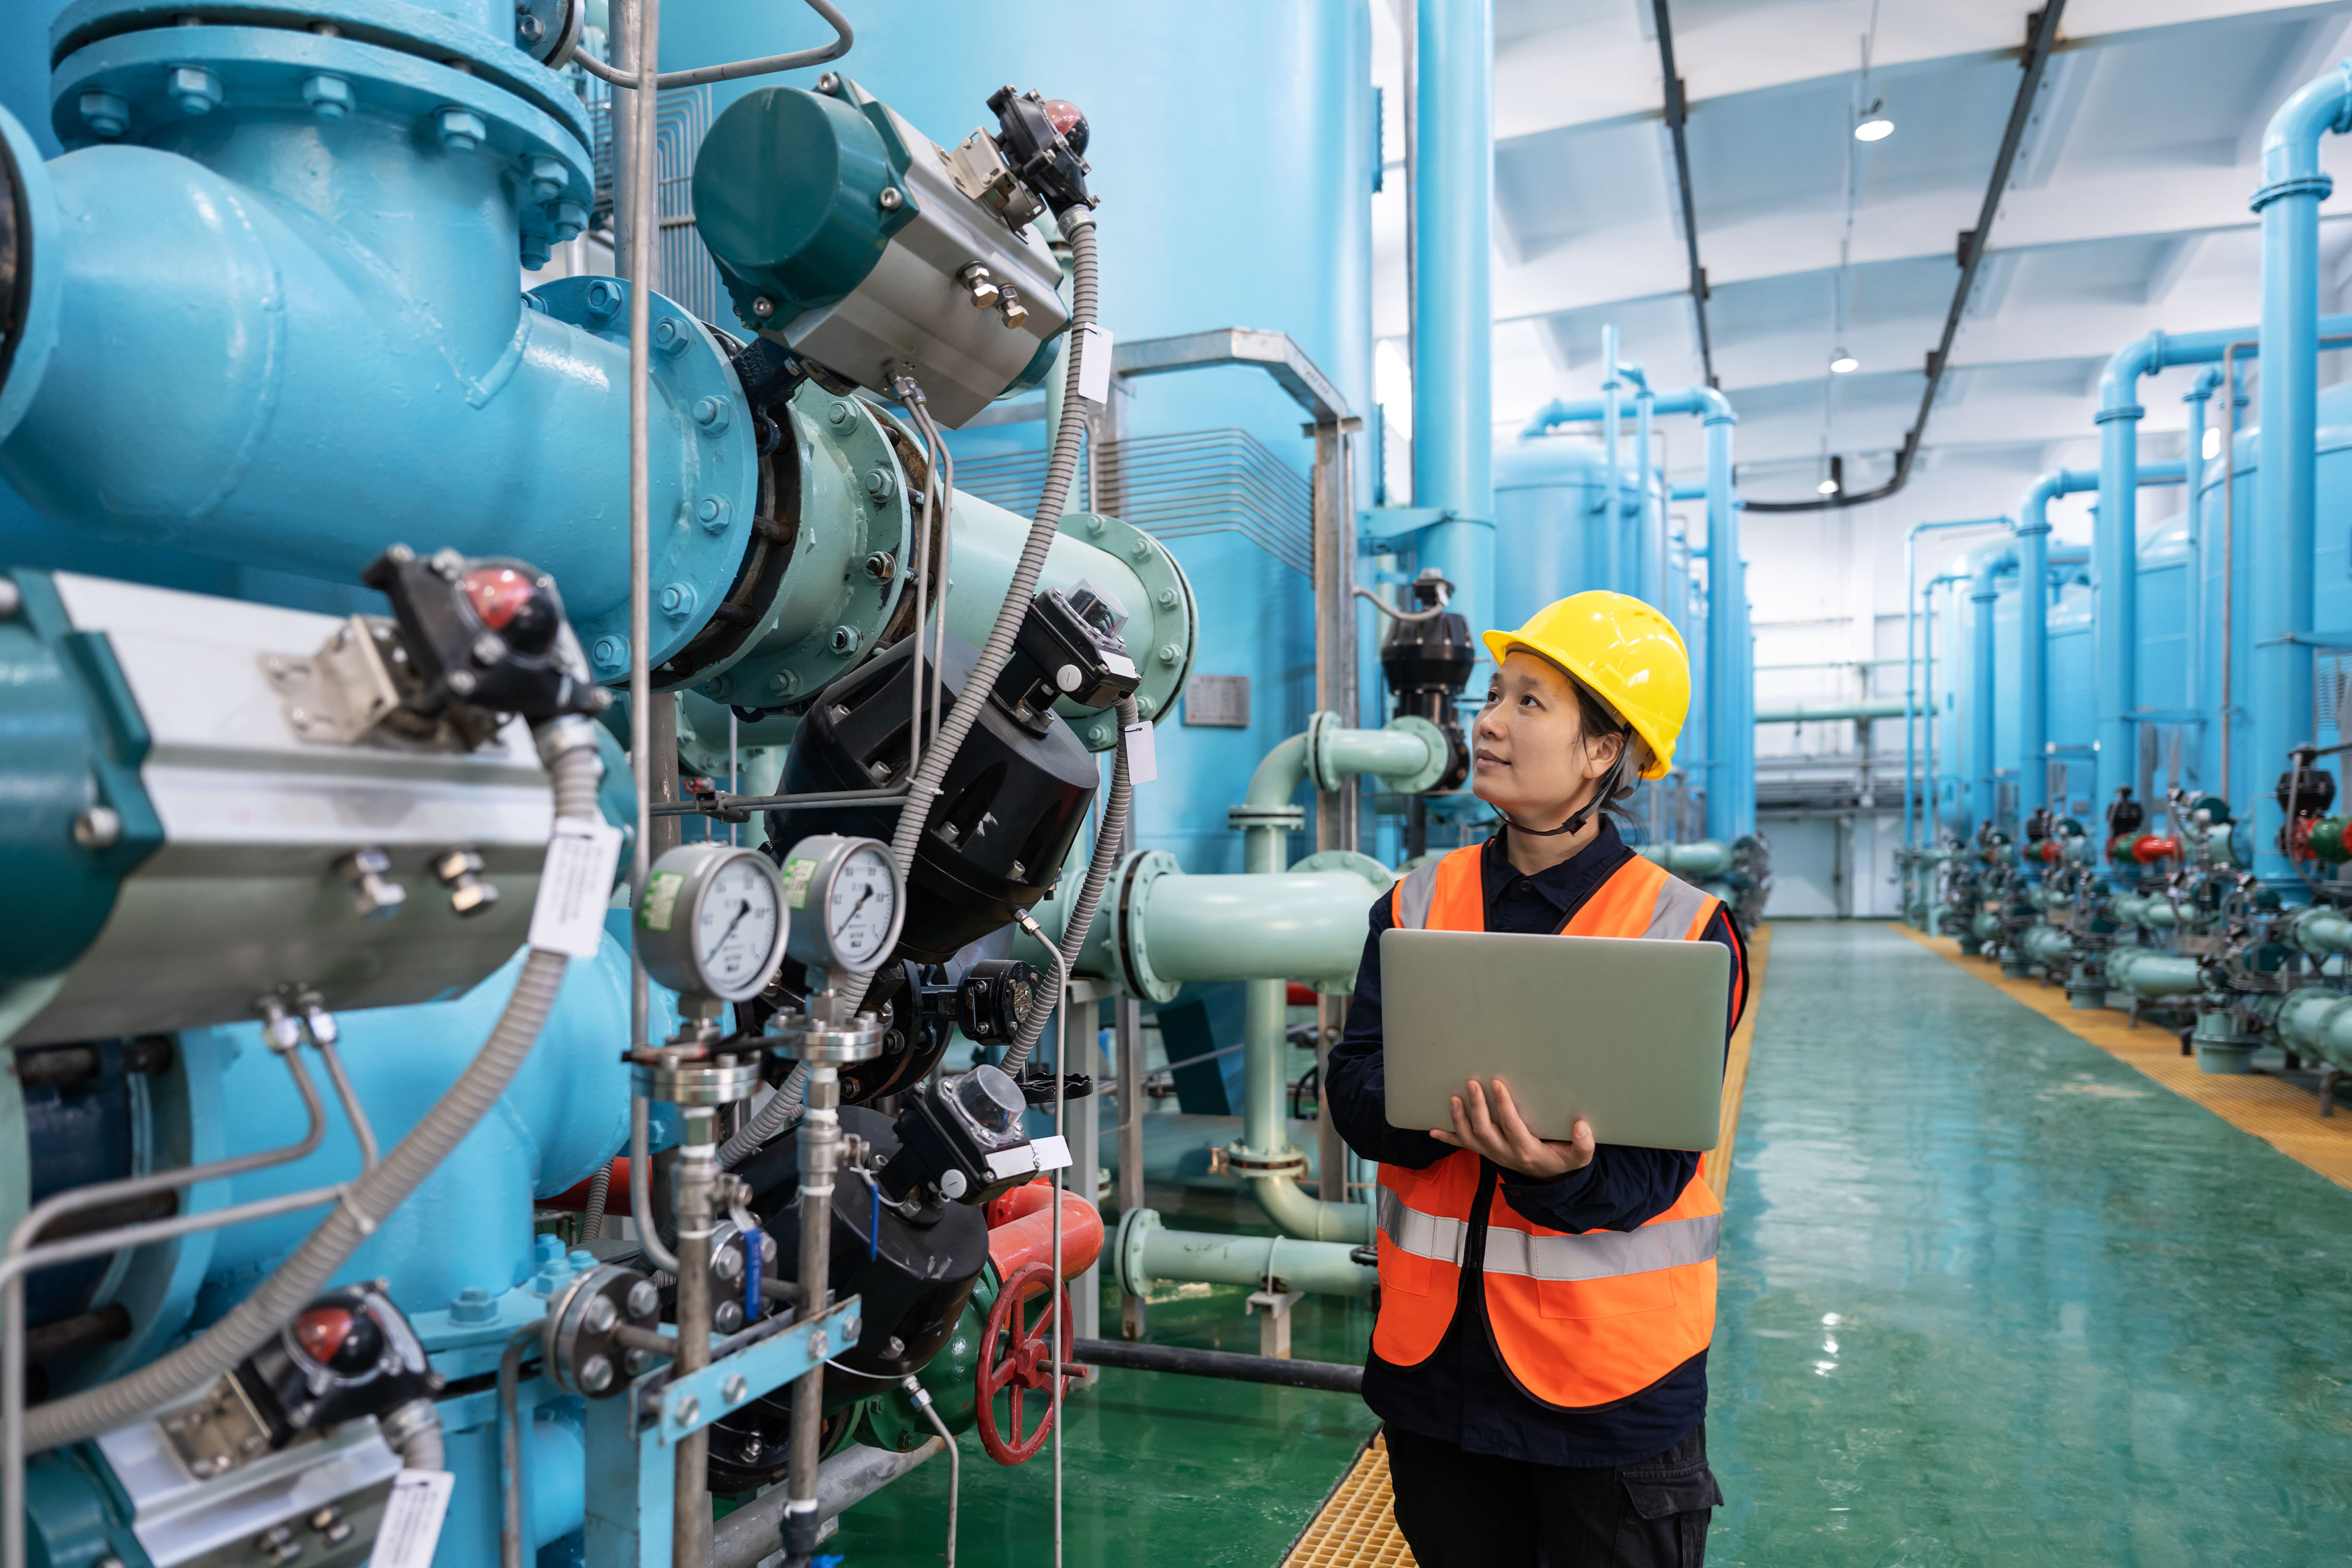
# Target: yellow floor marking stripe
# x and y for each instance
(1717, 1167)
(2280, 1114)
(1356, 1528)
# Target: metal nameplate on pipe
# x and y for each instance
(695, 1400)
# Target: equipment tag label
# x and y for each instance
(1093, 365)
(1053, 1153)
(576, 887)
(797, 874)
(1142, 759)
(412, 1516)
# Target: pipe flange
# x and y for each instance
(850, 528)
(1130, 955)
(1379, 876)
(1287, 817)
(1440, 756)
(28, 307)
(1322, 768)
(798, 1038)
(579, 1343)
(713, 455)
(690, 1083)
(1243, 1160)
(1161, 634)
(1127, 1251)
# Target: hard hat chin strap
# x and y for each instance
(1583, 814)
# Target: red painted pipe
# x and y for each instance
(2148, 849)
(1030, 1238)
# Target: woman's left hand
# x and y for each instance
(1489, 1125)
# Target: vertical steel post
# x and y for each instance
(1133, 1316)
(1452, 202)
(819, 1152)
(696, 1168)
(1336, 814)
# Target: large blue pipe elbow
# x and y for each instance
(469, 1223)
(286, 340)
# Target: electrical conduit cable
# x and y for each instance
(570, 747)
(600, 1192)
(1079, 226)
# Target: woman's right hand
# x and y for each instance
(1491, 1126)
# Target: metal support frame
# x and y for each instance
(632, 1439)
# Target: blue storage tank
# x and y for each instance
(2331, 595)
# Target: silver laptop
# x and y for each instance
(1627, 1033)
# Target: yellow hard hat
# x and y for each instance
(1624, 650)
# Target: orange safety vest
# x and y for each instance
(1583, 1318)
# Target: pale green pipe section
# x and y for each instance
(2318, 1022)
(1706, 857)
(1262, 1007)
(1985, 925)
(1147, 1252)
(2150, 974)
(1275, 925)
(2048, 946)
(2323, 934)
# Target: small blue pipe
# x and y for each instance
(1911, 709)
(2292, 187)
(1453, 399)
(2034, 632)
(1993, 561)
(1649, 545)
(1731, 684)
(1613, 484)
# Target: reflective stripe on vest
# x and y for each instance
(1581, 1320)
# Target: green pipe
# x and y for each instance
(2323, 934)
(2048, 946)
(2149, 974)
(1798, 713)
(1985, 925)
(1324, 752)
(1145, 1251)
(2315, 1021)
(1706, 857)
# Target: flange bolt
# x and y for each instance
(374, 894)
(195, 89)
(330, 97)
(105, 113)
(461, 130)
(547, 175)
(460, 871)
(100, 828)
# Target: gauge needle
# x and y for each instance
(860, 903)
(742, 909)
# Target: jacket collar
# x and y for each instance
(1565, 886)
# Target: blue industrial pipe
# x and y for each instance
(2292, 187)
(340, 283)
(1649, 536)
(1731, 685)
(1452, 329)
(2115, 551)
(1612, 488)
(2193, 473)
(1993, 561)
(1911, 600)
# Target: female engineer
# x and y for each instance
(1540, 1353)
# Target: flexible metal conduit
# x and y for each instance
(570, 747)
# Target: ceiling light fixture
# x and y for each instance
(1878, 128)
(1843, 363)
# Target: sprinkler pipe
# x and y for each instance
(2285, 495)
(1731, 683)
(1453, 326)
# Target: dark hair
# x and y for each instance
(1596, 722)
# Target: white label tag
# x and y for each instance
(1142, 759)
(575, 887)
(1053, 1153)
(412, 1519)
(1093, 365)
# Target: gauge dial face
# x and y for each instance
(862, 908)
(735, 929)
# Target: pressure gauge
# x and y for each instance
(712, 921)
(846, 893)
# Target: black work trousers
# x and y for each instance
(1474, 1510)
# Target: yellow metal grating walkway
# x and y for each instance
(2280, 1114)
(1356, 1528)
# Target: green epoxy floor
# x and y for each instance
(1160, 1469)
(1989, 1297)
